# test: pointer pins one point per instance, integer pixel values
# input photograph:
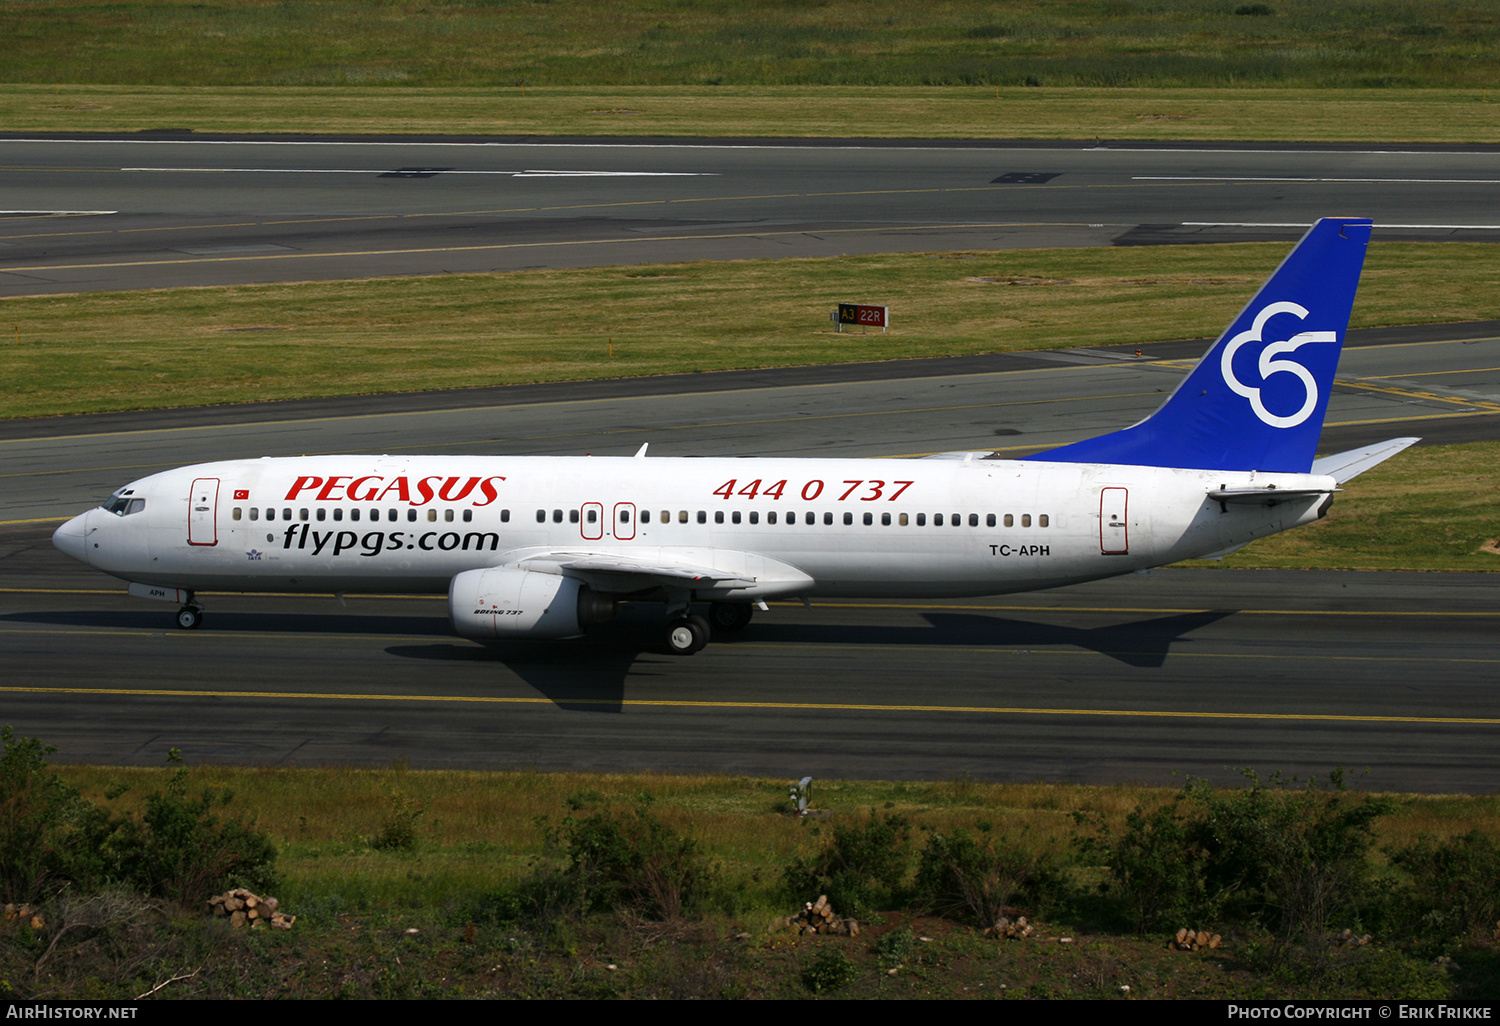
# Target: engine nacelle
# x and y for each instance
(504, 602)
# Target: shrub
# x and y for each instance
(1292, 857)
(1295, 856)
(49, 835)
(632, 863)
(1157, 868)
(830, 969)
(1455, 885)
(862, 866)
(978, 877)
(180, 850)
(399, 830)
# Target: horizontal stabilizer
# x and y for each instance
(963, 455)
(1345, 465)
(1268, 496)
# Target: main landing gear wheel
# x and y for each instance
(730, 616)
(687, 635)
(189, 617)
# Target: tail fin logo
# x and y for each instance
(1270, 363)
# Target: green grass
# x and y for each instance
(710, 43)
(919, 111)
(122, 351)
(480, 830)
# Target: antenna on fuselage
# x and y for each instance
(641, 452)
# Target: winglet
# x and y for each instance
(1256, 401)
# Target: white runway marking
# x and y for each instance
(424, 171)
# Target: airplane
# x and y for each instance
(542, 547)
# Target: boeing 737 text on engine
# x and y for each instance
(544, 547)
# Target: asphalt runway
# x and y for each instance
(1127, 680)
(151, 212)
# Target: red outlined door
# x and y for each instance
(203, 512)
(1114, 535)
(591, 524)
(624, 521)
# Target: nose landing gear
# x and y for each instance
(189, 616)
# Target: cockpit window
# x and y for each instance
(123, 505)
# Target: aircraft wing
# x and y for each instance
(740, 572)
(583, 564)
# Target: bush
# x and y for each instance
(978, 878)
(1158, 869)
(399, 830)
(830, 969)
(1291, 857)
(180, 850)
(632, 863)
(48, 834)
(1455, 886)
(863, 865)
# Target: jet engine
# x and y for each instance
(507, 603)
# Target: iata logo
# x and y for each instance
(1269, 364)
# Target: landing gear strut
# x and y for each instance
(686, 635)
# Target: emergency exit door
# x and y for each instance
(1114, 535)
(203, 512)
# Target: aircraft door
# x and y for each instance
(592, 521)
(624, 521)
(1114, 534)
(203, 512)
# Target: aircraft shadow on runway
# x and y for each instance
(1144, 643)
(592, 675)
(251, 623)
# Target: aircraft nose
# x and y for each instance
(69, 538)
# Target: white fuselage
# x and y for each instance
(786, 527)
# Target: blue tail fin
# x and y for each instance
(1257, 400)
